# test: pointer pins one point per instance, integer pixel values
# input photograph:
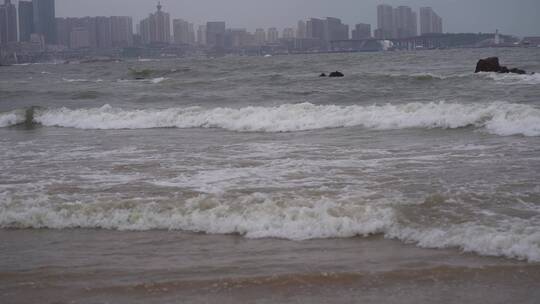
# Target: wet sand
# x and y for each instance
(98, 266)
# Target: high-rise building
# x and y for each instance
(85, 28)
(104, 32)
(215, 34)
(335, 30)
(101, 32)
(8, 22)
(301, 30)
(315, 29)
(361, 31)
(201, 35)
(26, 20)
(183, 32)
(238, 38)
(63, 31)
(80, 38)
(288, 33)
(156, 28)
(405, 22)
(45, 20)
(260, 36)
(121, 31)
(385, 22)
(272, 35)
(91, 25)
(430, 22)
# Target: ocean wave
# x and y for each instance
(260, 215)
(425, 76)
(519, 240)
(75, 80)
(158, 80)
(12, 118)
(512, 79)
(498, 118)
(81, 80)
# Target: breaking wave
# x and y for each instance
(513, 79)
(260, 215)
(12, 118)
(497, 118)
(426, 76)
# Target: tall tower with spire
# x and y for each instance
(157, 27)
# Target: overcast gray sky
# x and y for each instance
(518, 17)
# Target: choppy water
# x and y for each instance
(411, 146)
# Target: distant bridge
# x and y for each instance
(429, 41)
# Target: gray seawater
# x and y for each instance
(409, 146)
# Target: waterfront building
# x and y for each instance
(272, 35)
(430, 22)
(335, 30)
(183, 32)
(238, 38)
(80, 38)
(156, 28)
(385, 22)
(405, 22)
(8, 23)
(288, 33)
(121, 31)
(26, 20)
(45, 20)
(260, 36)
(103, 32)
(315, 29)
(201, 35)
(301, 30)
(361, 31)
(215, 34)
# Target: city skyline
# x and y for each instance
(520, 19)
(396, 28)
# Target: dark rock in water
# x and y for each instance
(336, 74)
(517, 71)
(503, 70)
(491, 64)
(322, 75)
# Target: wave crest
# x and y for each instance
(513, 79)
(497, 118)
(260, 215)
(12, 118)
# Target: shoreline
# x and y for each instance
(96, 266)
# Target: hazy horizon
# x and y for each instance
(458, 15)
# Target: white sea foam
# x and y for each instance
(497, 118)
(512, 79)
(81, 80)
(427, 75)
(158, 80)
(12, 118)
(75, 80)
(520, 240)
(261, 215)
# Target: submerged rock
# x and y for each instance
(492, 64)
(322, 75)
(336, 74)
